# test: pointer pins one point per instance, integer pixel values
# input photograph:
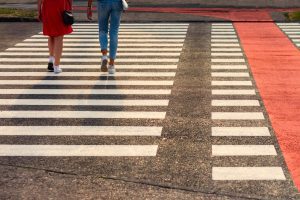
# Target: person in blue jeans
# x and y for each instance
(109, 12)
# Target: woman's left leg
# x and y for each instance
(51, 53)
(58, 48)
(113, 33)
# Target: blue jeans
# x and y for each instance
(109, 10)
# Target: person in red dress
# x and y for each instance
(50, 14)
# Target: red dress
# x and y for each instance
(52, 17)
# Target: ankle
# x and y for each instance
(111, 62)
(51, 59)
(104, 52)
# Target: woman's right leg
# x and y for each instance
(103, 17)
(51, 53)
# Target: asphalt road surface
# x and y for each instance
(173, 122)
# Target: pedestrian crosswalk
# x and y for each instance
(131, 103)
(292, 30)
(237, 114)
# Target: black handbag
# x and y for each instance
(67, 16)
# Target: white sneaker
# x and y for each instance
(57, 70)
(111, 69)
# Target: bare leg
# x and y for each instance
(51, 46)
(51, 53)
(58, 47)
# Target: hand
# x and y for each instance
(89, 13)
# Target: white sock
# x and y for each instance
(56, 66)
(104, 57)
(51, 59)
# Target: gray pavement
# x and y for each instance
(182, 168)
(189, 3)
(214, 4)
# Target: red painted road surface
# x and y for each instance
(275, 64)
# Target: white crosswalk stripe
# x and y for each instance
(226, 60)
(89, 54)
(227, 67)
(227, 74)
(234, 105)
(86, 82)
(239, 102)
(229, 83)
(224, 40)
(243, 150)
(121, 36)
(143, 40)
(84, 102)
(90, 60)
(237, 115)
(86, 91)
(91, 74)
(81, 130)
(225, 45)
(233, 92)
(134, 30)
(223, 33)
(135, 27)
(226, 49)
(224, 36)
(83, 114)
(223, 30)
(92, 66)
(130, 33)
(164, 44)
(240, 131)
(150, 51)
(77, 49)
(78, 150)
(247, 173)
(227, 54)
(292, 30)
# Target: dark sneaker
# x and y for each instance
(104, 65)
(50, 67)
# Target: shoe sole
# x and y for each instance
(104, 66)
